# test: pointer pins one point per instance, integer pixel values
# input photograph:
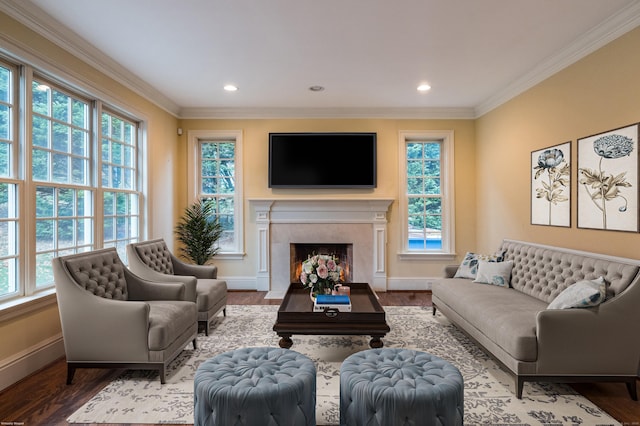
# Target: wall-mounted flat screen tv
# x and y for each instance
(322, 160)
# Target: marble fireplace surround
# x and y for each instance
(281, 222)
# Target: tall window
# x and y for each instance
(60, 165)
(69, 183)
(8, 184)
(121, 215)
(217, 161)
(427, 188)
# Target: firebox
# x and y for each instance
(301, 252)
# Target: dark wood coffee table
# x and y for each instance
(296, 316)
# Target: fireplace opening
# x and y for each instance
(301, 252)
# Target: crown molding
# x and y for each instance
(390, 113)
(35, 19)
(608, 30)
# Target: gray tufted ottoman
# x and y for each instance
(256, 386)
(400, 387)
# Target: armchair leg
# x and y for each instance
(71, 371)
(224, 312)
(194, 344)
(631, 387)
(162, 375)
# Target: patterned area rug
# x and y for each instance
(138, 396)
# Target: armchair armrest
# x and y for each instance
(169, 288)
(198, 271)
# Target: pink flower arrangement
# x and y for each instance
(320, 273)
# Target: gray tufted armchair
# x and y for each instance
(153, 260)
(112, 318)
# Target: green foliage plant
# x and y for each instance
(199, 230)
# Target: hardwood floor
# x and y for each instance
(45, 399)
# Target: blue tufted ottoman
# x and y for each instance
(400, 387)
(256, 386)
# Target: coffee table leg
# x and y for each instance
(285, 341)
(376, 342)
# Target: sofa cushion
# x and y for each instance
(167, 321)
(582, 294)
(495, 273)
(506, 316)
(469, 266)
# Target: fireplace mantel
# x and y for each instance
(285, 219)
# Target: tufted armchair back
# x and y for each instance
(156, 255)
(544, 273)
(101, 273)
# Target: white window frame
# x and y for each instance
(193, 165)
(448, 194)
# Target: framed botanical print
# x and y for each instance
(551, 186)
(608, 180)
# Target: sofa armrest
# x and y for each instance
(198, 271)
(593, 341)
(450, 271)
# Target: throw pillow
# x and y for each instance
(496, 273)
(580, 295)
(469, 266)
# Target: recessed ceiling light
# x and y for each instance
(424, 88)
(230, 88)
(316, 88)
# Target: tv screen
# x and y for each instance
(322, 160)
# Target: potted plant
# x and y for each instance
(199, 230)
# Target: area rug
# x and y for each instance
(138, 396)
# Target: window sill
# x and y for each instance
(228, 256)
(23, 305)
(407, 255)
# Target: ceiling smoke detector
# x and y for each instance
(316, 88)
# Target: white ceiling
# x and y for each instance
(370, 55)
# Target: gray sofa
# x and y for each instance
(112, 318)
(513, 324)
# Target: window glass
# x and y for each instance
(118, 176)
(423, 196)
(218, 184)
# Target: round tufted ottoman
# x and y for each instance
(400, 387)
(256, 386)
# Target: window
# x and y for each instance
(69, 184)
(426, 166)
(217, 160)
(60, 166)
(121, 213)
(9, 238)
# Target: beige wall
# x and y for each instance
(255, 167)
(599, 93)
(26, 333)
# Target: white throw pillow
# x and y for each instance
(496, 273)
(469, 266)
(580, 295)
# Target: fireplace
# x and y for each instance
(361, 223)
(300, 252)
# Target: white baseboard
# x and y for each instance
(401, 283)
(410, 283)
(240, 283)
(27, 362)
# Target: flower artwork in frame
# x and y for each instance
(608, 180)
(551, 186)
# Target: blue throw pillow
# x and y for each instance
(469, 266)
(582, 294)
